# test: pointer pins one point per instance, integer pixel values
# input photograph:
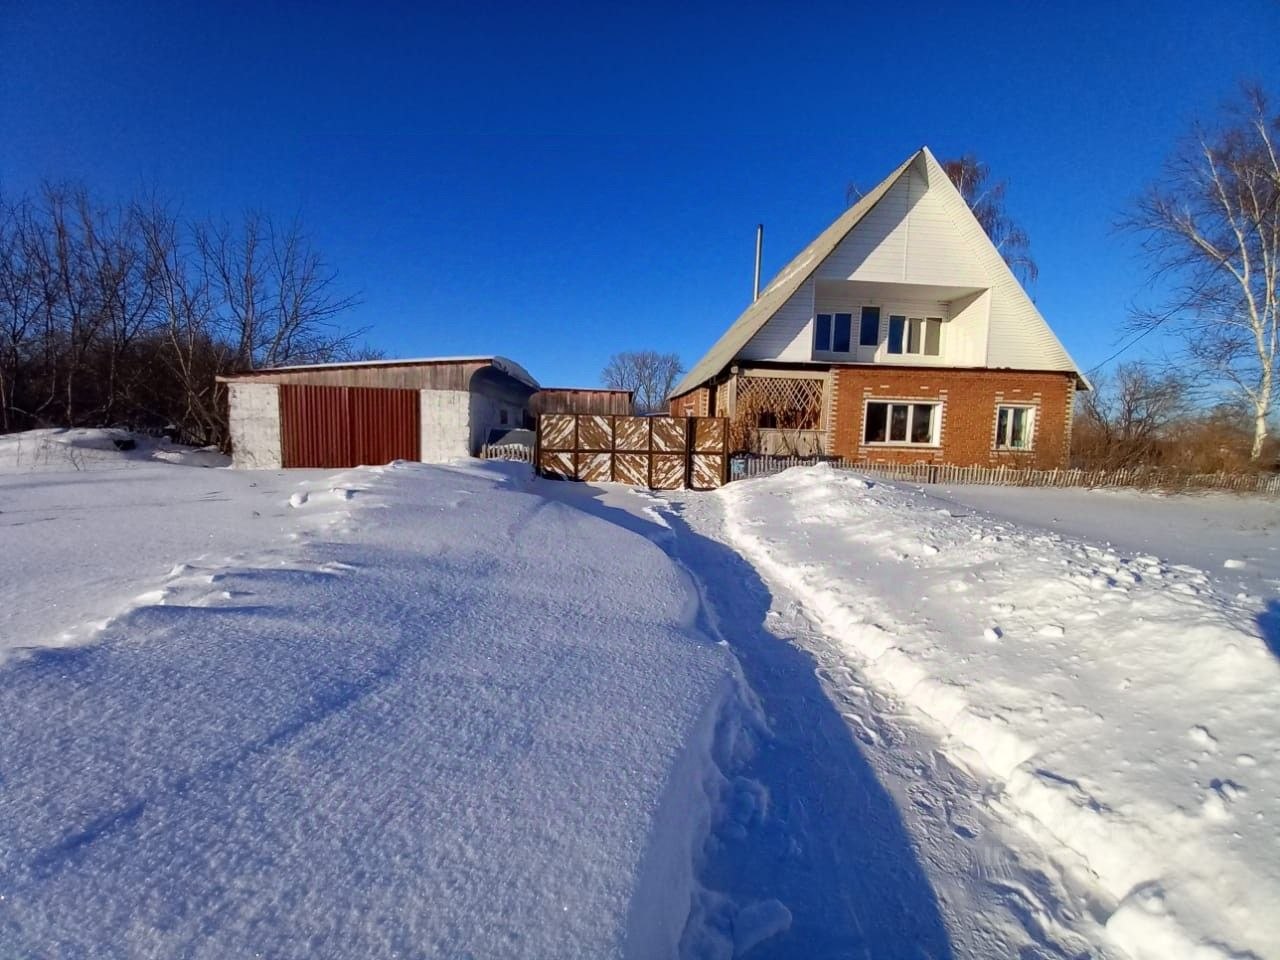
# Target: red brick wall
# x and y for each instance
(692, 404)
(969, 398)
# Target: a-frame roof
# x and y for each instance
(791, 277)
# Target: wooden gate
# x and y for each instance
(662, 453)
(348, 426)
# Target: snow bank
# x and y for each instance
(80, 547)
(84, 448)
(1124, 711)
(452, 718)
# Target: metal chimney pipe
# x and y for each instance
(755, 291)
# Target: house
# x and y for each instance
(346, 414)
(898, 335)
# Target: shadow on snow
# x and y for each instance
(1269, 626)
(831, 847)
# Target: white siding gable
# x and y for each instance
(788, 334)
(1017, 336)
(910, 237)
(921, 232)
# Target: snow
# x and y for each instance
(89, 530)
(1118, 705)
(1210, 531)
(408, 711)
(425, 710)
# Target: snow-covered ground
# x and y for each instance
(428, 713)
(1117, 707)
(451, 711)
(88, 531)
(1234, 539)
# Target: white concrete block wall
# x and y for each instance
(446, 424)
(254, 422)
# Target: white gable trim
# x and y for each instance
(1017, 336)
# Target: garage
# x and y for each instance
(349, 414)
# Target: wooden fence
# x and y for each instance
(662, 453)
(743, 468)
(507, 451)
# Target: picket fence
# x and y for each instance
(507, 451)
(743, 468)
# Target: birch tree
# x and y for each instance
(1210, 227)
(986, 198)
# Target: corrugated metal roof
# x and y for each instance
(787, 281)
(1039, 345)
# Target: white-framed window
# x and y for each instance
(833, 332)
(906, 422)
(918, 336)
(1015, 427)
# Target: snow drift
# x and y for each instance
(452, 718)
(1124, 712)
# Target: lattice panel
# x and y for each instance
(557, 431)
(631, 433)
(791, 404)
(709, 435)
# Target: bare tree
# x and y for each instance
(125, 315)
(1210, 228)
(1127, 418)
(648, 374)
(20, 304)
(986, 198)
(278, 296)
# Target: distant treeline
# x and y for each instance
(124, 315)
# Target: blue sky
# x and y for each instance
(557, 182)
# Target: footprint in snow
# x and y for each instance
(1222, 794)
(1201, 736)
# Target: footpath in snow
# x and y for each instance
(841, 828)
(1116, 707)
(440, 715)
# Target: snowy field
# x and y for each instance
(436, 715)
(422, 711)
(1234, 539)
(89, 531)
(1119, 708)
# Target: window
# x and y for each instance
(842, 332)
(1013, 427)
(869, 330)
(933, 337)
(502, 416)
(822, 332)
(897, 326)
(902, 422)
(915, 335)
(832, 332)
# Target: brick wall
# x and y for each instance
(969, 398)
(692, 404)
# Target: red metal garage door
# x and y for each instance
(347, 426)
